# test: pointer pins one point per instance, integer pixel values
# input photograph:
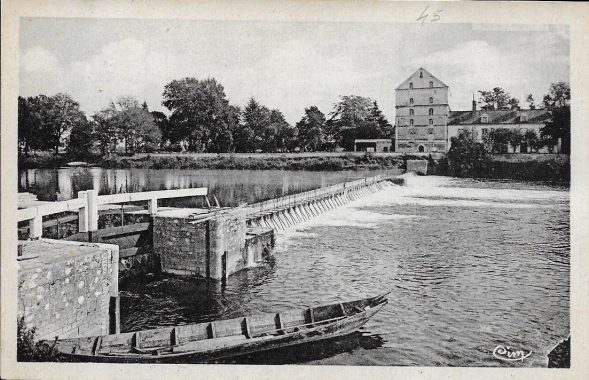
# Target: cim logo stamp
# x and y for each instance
(510, 354)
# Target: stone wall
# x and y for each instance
(65, 288)
(190, 246)
(181, 246)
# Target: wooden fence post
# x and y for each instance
(36, 227)
(83, 213)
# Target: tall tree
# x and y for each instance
(515, 138)
(557, 102)
(200, 112)
(466, 156)
(530, 101)
(161, 120)
(136, 125)
(256, 117)
(277, 132)
(81, 142)
(311, 129)
(384, 129)
(29, 126)
(497, 140)
(106, 129)
(58, 114)
(497, 99)
(356, 117)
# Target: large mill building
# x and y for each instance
(425, 123)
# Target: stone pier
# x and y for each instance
(209, 245)
(68, 288)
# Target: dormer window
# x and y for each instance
(411, 85)
(411, 101)
(431, 84)
(431, 100)
(524, 118)
(411, 112)
(484, 119)
(421, 74)
(431, 111)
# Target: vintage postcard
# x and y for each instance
(297, 189)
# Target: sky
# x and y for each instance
(284, 65)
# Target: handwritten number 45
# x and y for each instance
(433, 17)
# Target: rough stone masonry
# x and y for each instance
(210, 246)
(67, 288)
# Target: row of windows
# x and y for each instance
(485, 131)
(485, 118)
(431, 100)
(431, 85)
(431, 122)
(431, 112)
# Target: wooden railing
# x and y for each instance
(290, 200)
(86, 205)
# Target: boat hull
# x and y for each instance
(220, 349)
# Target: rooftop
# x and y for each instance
(497, 116)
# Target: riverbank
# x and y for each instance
(553, 168)
(527, 167)
(320, 161)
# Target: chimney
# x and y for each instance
(474, 104)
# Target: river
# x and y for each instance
(471, 264)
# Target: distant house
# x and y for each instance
(424, 122)
(373, 145)
(481, 122)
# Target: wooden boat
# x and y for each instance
(222, 339)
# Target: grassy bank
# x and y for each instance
(553, 168)
(263, 162)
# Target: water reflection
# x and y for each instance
(230, 187)
(312, 351)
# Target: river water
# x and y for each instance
(471, 265)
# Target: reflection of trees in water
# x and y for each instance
(231, 187)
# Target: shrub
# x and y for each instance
(28, 350)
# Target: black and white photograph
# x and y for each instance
(258, 186)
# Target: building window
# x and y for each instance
(524, 118)
(411, 85)
(411, 101)
(421, 74)
(431, 121)
(431, 84)
(410, 121)
(431, 100)
(430, 131)
(411, 112)
(484, 119)
(485, 132)
(431, 111)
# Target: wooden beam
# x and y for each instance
(148, 195)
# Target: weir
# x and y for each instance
(285, 212)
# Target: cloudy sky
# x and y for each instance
(284, 65)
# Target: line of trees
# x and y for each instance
(201, 119)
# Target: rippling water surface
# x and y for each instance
(472, 265)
